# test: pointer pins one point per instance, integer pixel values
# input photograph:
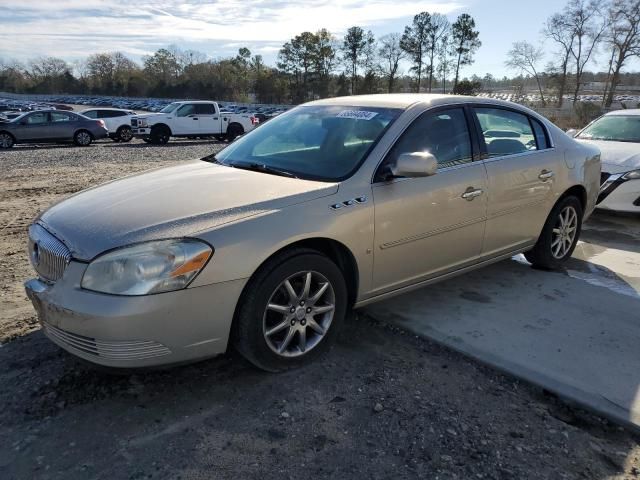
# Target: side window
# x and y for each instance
(505, 132)
(91, 114)
(60, 117)
(205, 109)
(541, 137)
(186, 110)
(37, 118)
(444, 134)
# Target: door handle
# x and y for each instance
(195, 118)
(545, 175)
(472, 193)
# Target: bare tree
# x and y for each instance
(390, 55)
(623, 37)
(440, 27)
(559, 29)
(589, 25)
(525, 57)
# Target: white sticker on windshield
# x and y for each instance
(357, 114)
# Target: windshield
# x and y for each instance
(169, 108)
(325, 143)
(614, 128)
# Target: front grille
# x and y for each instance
(125, 350)
(134, 122)
(48, 255)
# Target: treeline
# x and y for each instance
(317, 64)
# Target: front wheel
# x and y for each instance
(234, 131)
(559, 235)
(82, 138)
(160, 135)
(291, 310)
(124, 134)
(6, 140)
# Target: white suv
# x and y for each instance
(117, 121)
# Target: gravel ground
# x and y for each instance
(381, 404)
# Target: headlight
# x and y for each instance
(633, 175)
(146, 268)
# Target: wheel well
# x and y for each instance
(161, 125)
(84, 130)
(123, 126)
(576, 191)
(9, 133)
(237, 125)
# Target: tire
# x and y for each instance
(234, 131)
(559, 235)
(160, 135)
(286, 346)
(82, 138)
(6, 140)
(123, 134)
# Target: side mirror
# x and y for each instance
(572, 132)
(415, 164)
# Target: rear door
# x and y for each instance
(208, 118)
(428, 226)
(521, 166)
(63, 125)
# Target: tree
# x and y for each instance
(445, 62)
(559, 30)
(162, 66)
(623, 37)
(439, 29)
(524, 57)
(415, 42)
(465, 42)
(390, 55)
(467, 87)
(588, 24)
(354, 48)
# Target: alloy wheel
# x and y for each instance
(126, 134)
(5, 140)
(564, 232)
(83, 138)
(298, 314)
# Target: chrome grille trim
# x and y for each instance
(48, 255)
(111, 350)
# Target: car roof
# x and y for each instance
(629, 112)
(106, 108)
(405, 100)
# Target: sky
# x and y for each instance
(73, 29)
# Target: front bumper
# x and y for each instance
(619, 195)
(133, 332)
(141, 132)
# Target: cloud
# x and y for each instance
(75, 28)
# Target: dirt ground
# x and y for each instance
(382, 404)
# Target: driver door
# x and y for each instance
(186, 120)
(427, 226)
(34, 127)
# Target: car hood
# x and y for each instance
(171, 202)
(617, 157)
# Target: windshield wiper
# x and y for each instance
(260, 167)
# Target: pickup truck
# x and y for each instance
(191, 119)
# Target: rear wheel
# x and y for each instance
(6, 140)
(82, 138)
(234, 131)
(124, 134)
(559, 235)
(291, 310)
(160, 135)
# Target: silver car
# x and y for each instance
(332, 205)
(47, 126)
